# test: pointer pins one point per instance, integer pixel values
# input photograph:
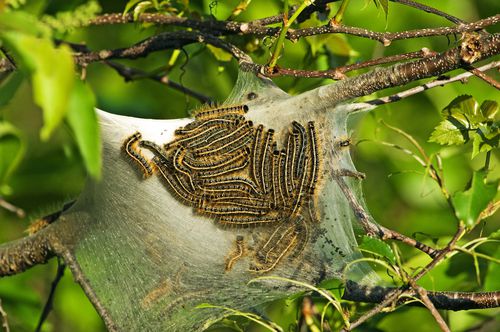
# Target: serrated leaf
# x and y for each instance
(10, 86)
(12, 150)
(83, 121)
(220, 54)
(450, 132)
(464, 108)
(377, 247)
(469, 203)
(489, 109)
(492, 281)
(52, 84)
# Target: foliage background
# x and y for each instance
(397, 192)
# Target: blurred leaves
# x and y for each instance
(83, 121)
(12, 150)
(469, 203)
(52, 84)
(9, 87)
(67, 21)
(465, 120)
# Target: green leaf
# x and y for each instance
(461, 116)
(450, 132)
(12, 150)
(385, 6)
(485, 139)
(492, 281)
(471, 202)
(52, 84)
(10, 86)
(489, 109)
(220, 54)
(129, 6)
(377, 247)
(83, 121)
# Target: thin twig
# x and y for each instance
(424, 87)
(429, 305)
(374, 229)
(50, 300)
(131, 74)
(387, 37)
(484, 77)
(5, 322)
(12, 208)
(430, 10)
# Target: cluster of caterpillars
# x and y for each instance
(230, 170)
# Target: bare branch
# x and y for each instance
(387, 37)
(441, 300)
(163, 41)
(12, 208)
(424, 297)
(131, 74)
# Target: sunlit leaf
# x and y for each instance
(10, 86)
(52, 84)
(377, 247)
(489, 109)
(469, 203)
(485, 139)
(129, 5)
(450, 132)
(495, 235)
(12, 149)
(83, 121)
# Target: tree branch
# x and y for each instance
(471, 50)
(163, 41)
(441, 300)
(20, 255)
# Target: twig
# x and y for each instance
(374, 229)
(423, 294)
(5, 322)
(12, 208)
(424, 87)
(430, 10)
(131, 74)
(50, 300)
(484, 77)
